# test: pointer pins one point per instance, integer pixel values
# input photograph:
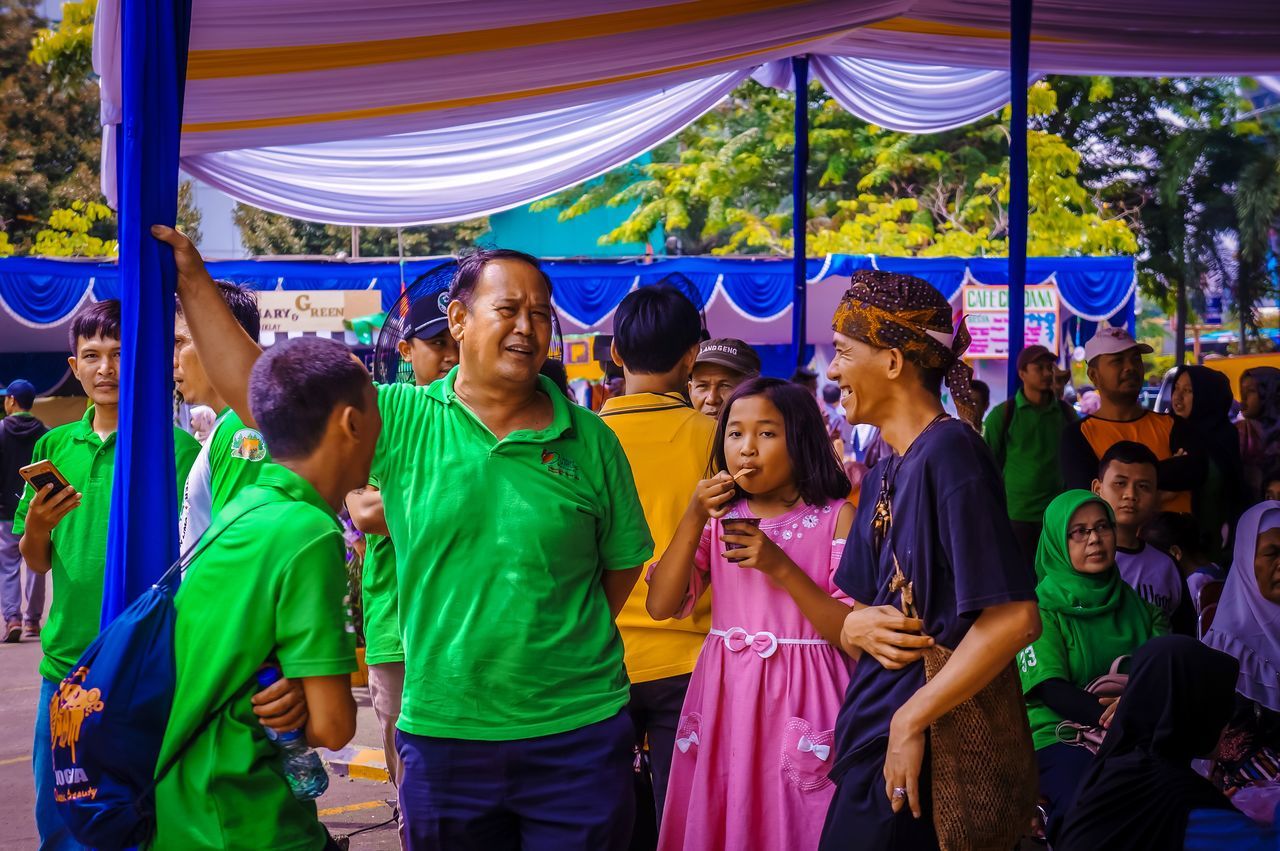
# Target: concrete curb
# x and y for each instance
(357, 763)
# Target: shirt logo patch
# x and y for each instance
(248, 445)
(558, 464)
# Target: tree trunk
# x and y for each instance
(1180, 322)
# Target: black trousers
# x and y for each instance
(655, 713)
(861, 816)
(1028, 537)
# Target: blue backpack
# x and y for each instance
(108, 719)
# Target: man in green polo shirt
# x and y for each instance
(273, 564)
(1024, 434)
(233, 454)
(66, 533)
(518, 527)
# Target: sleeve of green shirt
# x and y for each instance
(185, 450)
(1046, 659)
(623, 535)
(993, 431)
(38, 453)
(314, 633)
(391, 404)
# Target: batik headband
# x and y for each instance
(892, 311)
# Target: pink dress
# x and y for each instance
(754, 743)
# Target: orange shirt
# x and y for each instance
(1151, 430)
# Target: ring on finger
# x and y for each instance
(899, 792)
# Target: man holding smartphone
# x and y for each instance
(64, 530)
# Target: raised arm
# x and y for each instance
(669, 583)
(226, 351)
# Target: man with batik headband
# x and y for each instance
(931, 538)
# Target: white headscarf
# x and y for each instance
(1247, 625)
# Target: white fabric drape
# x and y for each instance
(446, 175)
(912, 98)
(901, 96)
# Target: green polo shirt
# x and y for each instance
(1028, 454)
(380, 600)
(272, 586)
(501, 546)
(230, 460)
(80, 541)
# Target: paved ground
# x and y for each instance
(348, 806)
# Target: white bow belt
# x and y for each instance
(765, 643)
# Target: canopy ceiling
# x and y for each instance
(398, 112)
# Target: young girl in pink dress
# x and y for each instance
(754, 743)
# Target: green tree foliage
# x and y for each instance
(67, 51)
(723, 185)
(75, 232)
(50, 138)
(1181, 160)
(269, 233)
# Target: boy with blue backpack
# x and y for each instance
(268, 587)
(66, 532)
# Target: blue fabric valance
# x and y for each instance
(40, 292)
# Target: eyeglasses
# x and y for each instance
(1080, 534)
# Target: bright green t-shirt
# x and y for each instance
(1081, 649)
(80, 541)
(272, 586)
(380, 601)
(230, 460)
(1027, 453)
(501, 545)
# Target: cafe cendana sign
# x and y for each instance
(314, 310)
(986, 312)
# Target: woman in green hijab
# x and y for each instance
(1091, 618)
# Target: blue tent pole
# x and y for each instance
(142, 533)
(1019, 63)
(800, 206)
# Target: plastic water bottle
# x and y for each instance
(302, 766)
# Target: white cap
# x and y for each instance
(1110, 341)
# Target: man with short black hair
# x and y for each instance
(65, 533)
(1024, 434)
(930, 559)
(280, 535)
(233, 453)
(1127, 481)
(721, 365)
(19, 431)
(668, 445)
(1116, 370)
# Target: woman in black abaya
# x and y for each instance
(1141, 791)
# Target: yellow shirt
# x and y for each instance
(668, 445)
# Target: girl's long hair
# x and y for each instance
(819, 475)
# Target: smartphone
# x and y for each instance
(42, 474)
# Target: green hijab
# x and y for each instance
(1061, 587)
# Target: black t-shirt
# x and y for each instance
(952, 536)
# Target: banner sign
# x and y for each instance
(314, 310)
(986, 312)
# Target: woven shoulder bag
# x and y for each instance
(985, 780)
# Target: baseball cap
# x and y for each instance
(427, 316)
(1031, 354)
(23, 391)
(730, 353)
(1110, 341)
